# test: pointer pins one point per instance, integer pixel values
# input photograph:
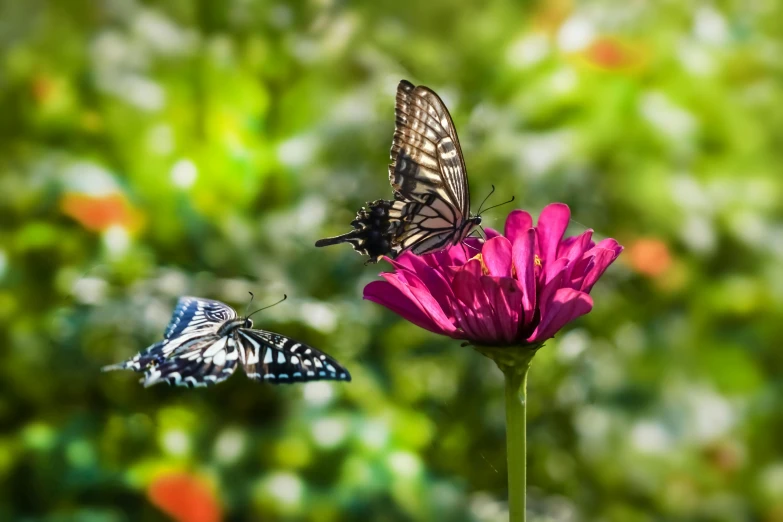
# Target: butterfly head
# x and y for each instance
(475, 220)
(248, 323)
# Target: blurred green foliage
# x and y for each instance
(154, 149)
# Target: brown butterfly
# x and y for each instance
(431, 206)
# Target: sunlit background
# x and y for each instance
(155, 149)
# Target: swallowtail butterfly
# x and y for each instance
(205, 341)
(431, 206)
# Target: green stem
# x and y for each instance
(514, 362)
(516, 439)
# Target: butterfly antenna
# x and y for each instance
(500, 204)
(270, 306)
(252, 296)
(485, 199)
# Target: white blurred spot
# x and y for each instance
(675, 123)
(285, 487)
(711, 415)
(90, 290)
(572, 344)
(689, 194)
(229, 446)
(161, 35)
(116, 239)
(175, 442)
(318, 393)
(183, 173)
(650, 437)
(699, 234)
(160, 139)
(695, 59)
(141, 92)
(750, 228)
(575, 34)
(528, 50)
(3, 263)
(563, 80)
(541, 152)
(329, 432)
(404, 464)
(89, 178)
(319, 316)
(771, 481)
(374, 434)
(592, 422)
(710, 26)
(297, 151)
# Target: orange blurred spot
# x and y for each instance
(185, 498)
(100, 212)
(613, 54)
(649, 256)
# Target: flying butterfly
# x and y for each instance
(205, 341)
(431, 206)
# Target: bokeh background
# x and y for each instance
(155, 149)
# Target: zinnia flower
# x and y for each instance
(515, 289)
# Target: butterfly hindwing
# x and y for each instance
(205, 360)
(275, 358)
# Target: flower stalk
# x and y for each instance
(515, 364)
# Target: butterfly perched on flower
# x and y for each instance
(431, 206)
(205, 341)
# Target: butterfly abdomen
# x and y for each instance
(372, 233)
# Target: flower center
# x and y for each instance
(537, 261)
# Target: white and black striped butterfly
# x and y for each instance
(205, 341)
(431, 206)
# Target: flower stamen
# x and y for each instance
(484, 269)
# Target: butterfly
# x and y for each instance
(431, 206)
(205, 341)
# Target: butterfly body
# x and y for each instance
(205, 341)
(431, 206)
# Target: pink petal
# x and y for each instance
(490, 233)
(395, 300)
(472, 267)
(522, 253)
(430, 278)
(567, 305)
(610, 244)
(575, 250)
(505, 296)
(552, 224)
(601, 259)
(517, 224)
(479, 325)
(421, 296)
(551, 270)
(497, 256)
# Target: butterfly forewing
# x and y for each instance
(195, 313)
(425, 155)
(275, 358)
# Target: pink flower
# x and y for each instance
(517, 289)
